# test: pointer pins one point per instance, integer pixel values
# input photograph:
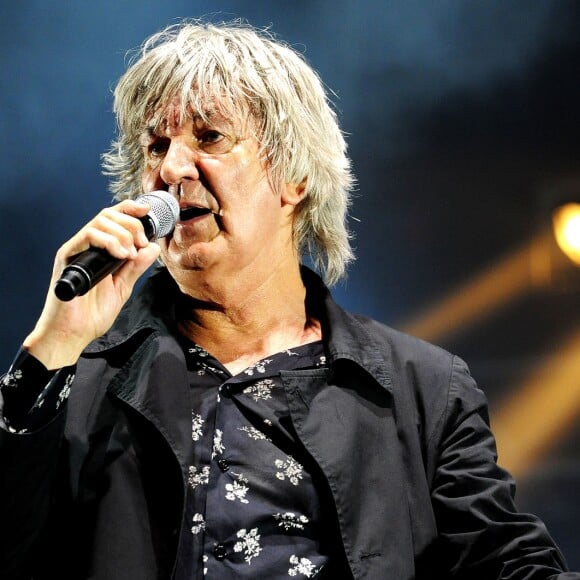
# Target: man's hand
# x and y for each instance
(64, 329)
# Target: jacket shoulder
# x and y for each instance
(405, 349)
(428, 382)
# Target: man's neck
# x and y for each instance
(267, 319)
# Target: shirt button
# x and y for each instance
(223, 464)
(226, 390)
(219, 551)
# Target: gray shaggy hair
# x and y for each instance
(250, 73)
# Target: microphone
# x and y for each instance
(89, 267)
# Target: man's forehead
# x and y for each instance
(174, 115)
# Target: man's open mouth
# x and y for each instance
(189, 213)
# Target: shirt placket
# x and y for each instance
(205, 381)
(225, 485)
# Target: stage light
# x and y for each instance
(566, 226)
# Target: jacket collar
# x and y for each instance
(347, 337)
(151, 308)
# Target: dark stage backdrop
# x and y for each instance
(463, 124)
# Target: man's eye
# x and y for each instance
(214, 142)
(157, 149)
(209, 137)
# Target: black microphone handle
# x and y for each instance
(88, 268)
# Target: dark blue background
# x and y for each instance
(462, 120)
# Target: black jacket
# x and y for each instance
(397, 427)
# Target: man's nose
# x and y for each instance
(180, 162)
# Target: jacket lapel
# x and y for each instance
(155, 383)
(347, 426)
(154, 389)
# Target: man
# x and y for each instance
(230, 420)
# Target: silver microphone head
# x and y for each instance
(164, 211)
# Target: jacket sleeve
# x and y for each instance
(482, 534)
(28, 464)
(32, 400)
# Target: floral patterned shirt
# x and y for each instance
(253, 509)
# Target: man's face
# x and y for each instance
(233, 219)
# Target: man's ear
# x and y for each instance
(293, 193)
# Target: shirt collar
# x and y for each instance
(347, 337)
